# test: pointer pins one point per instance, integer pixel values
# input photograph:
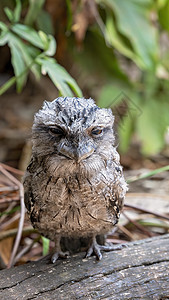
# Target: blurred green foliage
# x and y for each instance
(120, 59)
(45, 245)
(125, 54)
(31, 50)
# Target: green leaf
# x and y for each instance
(115, 40)
(163, 16)
(33, 11)
(26, 52)
(19, 66)
(45, 243)
(33, 52)
(17, 11)
(7, 85)
(51, 50)
(151, 126)
(44, 38)
(9, 14)
(133, 23)
(49, 43)
(28, 34)
(3, 26)
(4, 37)
(44, 22)
(62, 80)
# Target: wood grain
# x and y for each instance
(138, 271)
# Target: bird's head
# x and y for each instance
(74, 131)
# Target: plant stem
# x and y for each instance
(151, 173)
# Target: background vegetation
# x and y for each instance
(116, 50)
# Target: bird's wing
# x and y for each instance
(116, 195)
(27, 182)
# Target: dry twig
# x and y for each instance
(138, 226)
(21, 221)
(146, 211)
(11, 169)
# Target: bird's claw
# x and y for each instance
(96, 249)
(59, 254)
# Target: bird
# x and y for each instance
(74, 185)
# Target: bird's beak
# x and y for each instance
(79, 153)
(83, 153)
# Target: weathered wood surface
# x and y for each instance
(139, 271)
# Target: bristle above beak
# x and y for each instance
(78, 154)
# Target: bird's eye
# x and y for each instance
(56, 131)
(97, 131)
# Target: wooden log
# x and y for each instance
(139, 271)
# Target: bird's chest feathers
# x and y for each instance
(75, 205)
(76, 194)
(73, 191)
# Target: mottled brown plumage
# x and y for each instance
(74, 184)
